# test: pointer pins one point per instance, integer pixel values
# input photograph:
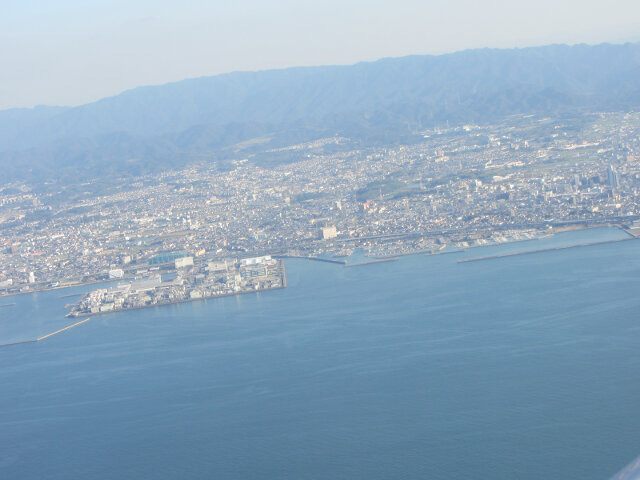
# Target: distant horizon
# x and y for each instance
(160, 84)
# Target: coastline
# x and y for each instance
(381, 258)
(429, 252)
(176, 302)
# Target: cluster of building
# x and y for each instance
(186, 282)
(464, 185)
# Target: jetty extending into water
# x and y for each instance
(63, 329)
(43, 337)
(542, 250)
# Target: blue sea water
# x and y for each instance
(525, 367)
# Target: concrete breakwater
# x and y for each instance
(316, 259)
(344, 263)
(428, 252)
(71, 295)
(425, 251)
(542, 250)
(18, 343)
(370, 262)
(43, 337)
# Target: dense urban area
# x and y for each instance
(455, 187)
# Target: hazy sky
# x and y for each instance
(69, 52)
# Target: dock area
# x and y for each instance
(249, 275)
(178, 302)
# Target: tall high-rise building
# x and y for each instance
(612, 177)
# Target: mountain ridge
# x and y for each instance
(391, 95)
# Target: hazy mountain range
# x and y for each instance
(148, 128)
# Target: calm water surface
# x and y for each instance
(524, 367)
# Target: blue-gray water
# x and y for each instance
(524, 367)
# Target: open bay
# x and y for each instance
(520, 367)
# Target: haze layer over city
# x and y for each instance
(101, 198)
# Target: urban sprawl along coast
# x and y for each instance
(187, 234)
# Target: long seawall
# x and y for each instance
(43, 337)
(542, 250)
(315, 259)
(371, 262)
